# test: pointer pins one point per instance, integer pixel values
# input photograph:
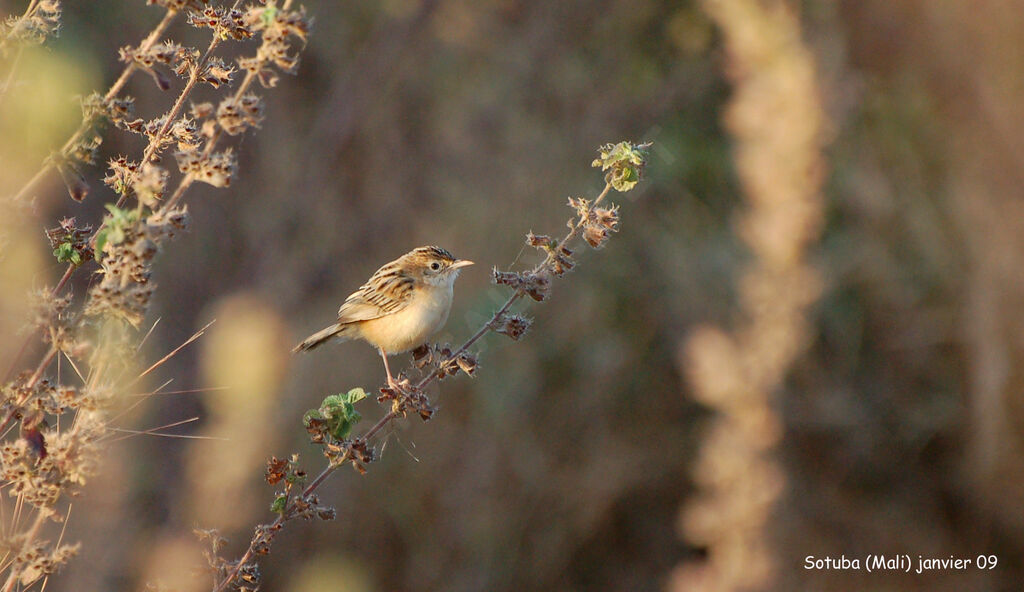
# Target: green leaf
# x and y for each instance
(311, 414)
(330, 404)
(338, 412)
(626, 161)
(116, 235)
(355, 395)
(101, 241)
(279, 504)
(625, 179)
(66, 253)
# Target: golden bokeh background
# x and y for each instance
(577, 458)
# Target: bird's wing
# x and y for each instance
(384, 294)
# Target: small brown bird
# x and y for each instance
(399, 307)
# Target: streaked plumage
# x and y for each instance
(400, 306)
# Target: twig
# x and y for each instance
(396, 412)
(155, 142)
(155, 365)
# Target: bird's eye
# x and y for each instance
(435, 266)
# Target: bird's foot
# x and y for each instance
(399, 386)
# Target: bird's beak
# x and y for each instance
(460, 264)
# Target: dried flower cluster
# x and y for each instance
(330, 425)
(70, 243)
(44, 465)
(48, 464)
(512, 325)
(45, 460)
(442, 362)
(41, 21)
(34, 559)
(126, 248)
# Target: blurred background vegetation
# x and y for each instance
(565, 465)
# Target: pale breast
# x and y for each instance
(414, 324)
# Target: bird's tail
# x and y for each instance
(320, 337)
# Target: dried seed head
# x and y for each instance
(421, 352)
(150, 183)
(538, 241)
(507, 278)
(268, 77)
(121, 175)
(217, 170)
(165, 224)
(183, 131)
(201, 110)
(30, 432)
(581, 205)
(607, 217)
(276, 27)
(51, 313)
(467, 362)
(513, 325)
(595, 235)
(118, 109)
(127, 245)
(561, 261)
(227, 23)
(170, 54)
(220, 169)
(217, 73)
(34, 27)
(235, 116)
(276, 470)
(538, 286)
(534, 285)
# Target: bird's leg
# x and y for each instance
(391, 381)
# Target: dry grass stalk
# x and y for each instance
(777, 120)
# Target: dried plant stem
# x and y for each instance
(115, 88)
(28, 12)
(56, 290)
(47, 460)
(519, 292)
(10, 74)
(50, 355)
(154, 143)
(396, 411)
(63, 279)
(17, 56)
(324, 474)
(190, 178)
